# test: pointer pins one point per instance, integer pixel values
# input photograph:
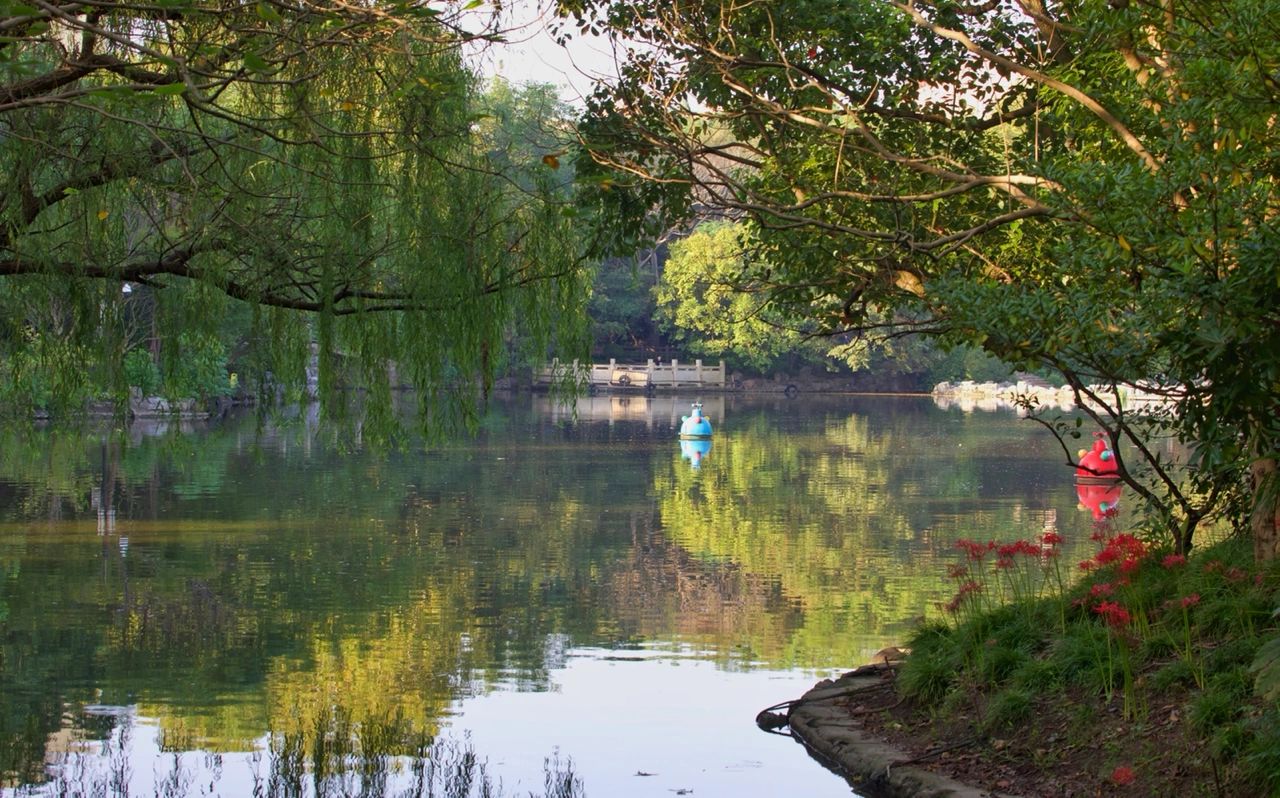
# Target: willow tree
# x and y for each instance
(317, 167)
(1082, 185)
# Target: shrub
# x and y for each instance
(1082, 654)
(1007, 708)
(201, 369)
(931, 669)
(999, 662)
(1260, 759)
(1230, 655)
(1178, 673)
(140, 372)
(1039, 675)
(1213, 708)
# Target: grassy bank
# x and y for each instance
(1135, 672)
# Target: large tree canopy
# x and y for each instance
(1085, 185)
(322, 166)
(696, 298)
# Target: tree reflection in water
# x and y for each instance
(337, 759)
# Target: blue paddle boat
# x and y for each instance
(695, 427)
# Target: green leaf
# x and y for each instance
(268, 12)
(112, 92)
(255, 62)
(1267, 667)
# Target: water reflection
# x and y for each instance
(654, 412)
(694, 450)
(1101, 500)
(334, 758)
(255, 579)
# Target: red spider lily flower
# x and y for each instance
(1190, 601)
(1237, 575)
(953, 605)
(1101, 589)
(956, 571)
(1123, 548)
(1004, 563)
(1086, 565)
(1113, 613)
(1051, 538)
(1131, 545)
(1173, 561)
(1123, 775)
(973, 549)
(1009, 550)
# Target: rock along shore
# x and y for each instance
(822, 720)
(1035, 392)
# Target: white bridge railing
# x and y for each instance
(673, 374)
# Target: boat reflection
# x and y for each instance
(695, 450)
(1102, 500)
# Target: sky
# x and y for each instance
(532, 56)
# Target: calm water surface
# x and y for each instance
(569, 581)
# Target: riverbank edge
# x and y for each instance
(819, 721)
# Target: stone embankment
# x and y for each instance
(822, 720)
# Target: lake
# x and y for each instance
(260, 606)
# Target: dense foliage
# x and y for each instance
(696, 296)
(702, 307)
(1086, 186)
(321, 172)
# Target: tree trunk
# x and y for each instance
(1265, 521)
